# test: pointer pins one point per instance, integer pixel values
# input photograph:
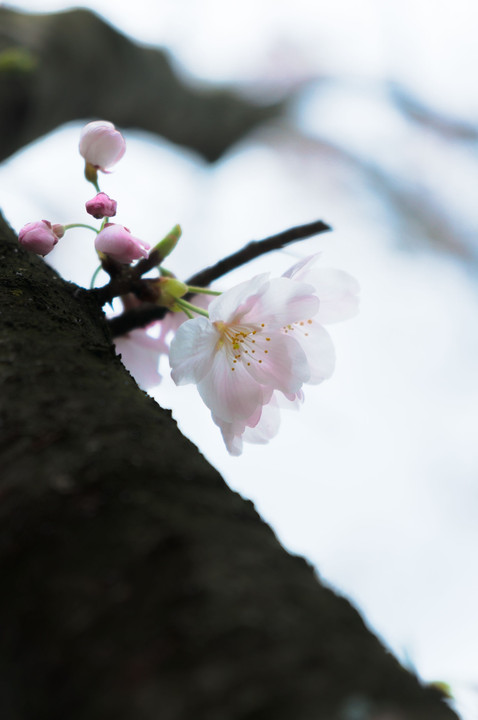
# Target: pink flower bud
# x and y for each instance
(40, 237)
(101, 206)
(101, 144)
(117, 242)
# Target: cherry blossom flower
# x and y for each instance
(117, 242)
(101, 206)
(41, 236)
(240, 355)
(225, 355)
(101, 144)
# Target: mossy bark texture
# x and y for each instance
(135, 585)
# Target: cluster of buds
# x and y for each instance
(101, 146)
(250, 350)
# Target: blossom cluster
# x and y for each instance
(250, 350)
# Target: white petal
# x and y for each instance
(226, 306)
(231, 434)
(232, 441)
(266, 428)
(338, 294)
(283, 301)
(289, 401)
(319, 349)
(229, 391)
(337, 290)
(277, 361)
(192, 350)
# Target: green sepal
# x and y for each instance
(166, 246)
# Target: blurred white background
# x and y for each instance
(375, 479)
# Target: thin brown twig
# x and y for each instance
(255, 249)
(147, 313)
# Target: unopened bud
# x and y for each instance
(117, 242)
(101, 145)
(40, 237)
(101, 206)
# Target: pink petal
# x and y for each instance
(261, 427)
(101, 144)
(233, 432)
(140, 355)
(229, 391)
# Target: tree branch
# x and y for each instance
(147, 313)
(256, 248)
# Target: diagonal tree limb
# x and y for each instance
(256, 248)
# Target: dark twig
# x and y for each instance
(147, 313)
(124, 279)
(256, 248)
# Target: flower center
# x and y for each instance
(239, 342)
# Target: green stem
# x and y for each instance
(200, 290)
(95, 275)
(80, 225)
(165, 272)
(188, 313)
(185, 305)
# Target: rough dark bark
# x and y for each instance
(135, 584)
(66, 66)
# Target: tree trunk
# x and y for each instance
(135, 584)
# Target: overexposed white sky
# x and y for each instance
(375, 479)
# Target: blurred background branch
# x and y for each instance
(66, 66)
